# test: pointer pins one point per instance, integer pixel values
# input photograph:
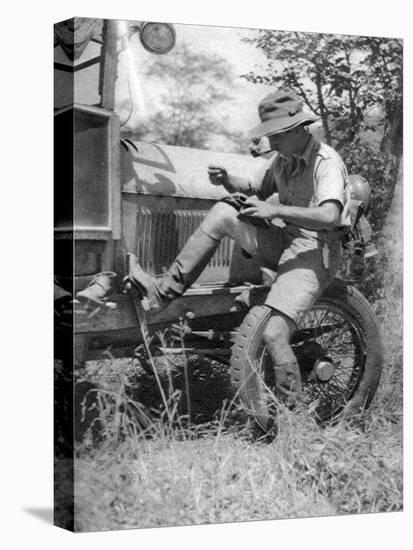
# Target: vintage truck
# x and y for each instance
(117, 196)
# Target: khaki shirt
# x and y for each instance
(317, 175)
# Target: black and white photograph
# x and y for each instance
(228, 274)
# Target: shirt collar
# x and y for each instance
(309, 149)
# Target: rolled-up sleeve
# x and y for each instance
(331, 177)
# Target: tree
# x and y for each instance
(340, 78)
(196, 87)
(386, 56)
(354, 84)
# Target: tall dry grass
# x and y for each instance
(186, 477)
(161, 470)
(142, 463)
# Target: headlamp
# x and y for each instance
(157, 38)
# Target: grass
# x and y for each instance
(168, 472)
(305, 471)
(143, 465)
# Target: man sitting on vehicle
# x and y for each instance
(296, 236)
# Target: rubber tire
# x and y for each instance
(248, 342)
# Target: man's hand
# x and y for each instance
(259, 209)
(324, 217)
(217, 175)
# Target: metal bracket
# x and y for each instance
(143, 331)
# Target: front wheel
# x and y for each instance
(338, 348)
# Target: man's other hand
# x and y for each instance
(217, 175)
(259, 209)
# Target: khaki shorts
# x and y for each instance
(303, 268)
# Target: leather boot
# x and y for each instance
(184, 271)
(99, 288)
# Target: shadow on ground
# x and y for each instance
(44, 514)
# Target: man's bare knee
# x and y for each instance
(220, 220)
(279, 329)
(223, 211)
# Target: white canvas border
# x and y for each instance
(27, 221)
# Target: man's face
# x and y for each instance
(284, 142)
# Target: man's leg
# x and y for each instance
(277, 337)
(222, 220)
(301, 278)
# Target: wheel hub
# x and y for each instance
(307, 354)
(324, 370)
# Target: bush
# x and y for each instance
(380, 171)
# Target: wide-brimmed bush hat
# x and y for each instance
(280, 111)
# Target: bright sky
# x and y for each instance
(225, 41)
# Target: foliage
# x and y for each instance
(379, 171)
(172, 472)
(354, 84)
(340, 78)
(186, 475)
(196, 87)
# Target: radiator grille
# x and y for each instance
(161, 234)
